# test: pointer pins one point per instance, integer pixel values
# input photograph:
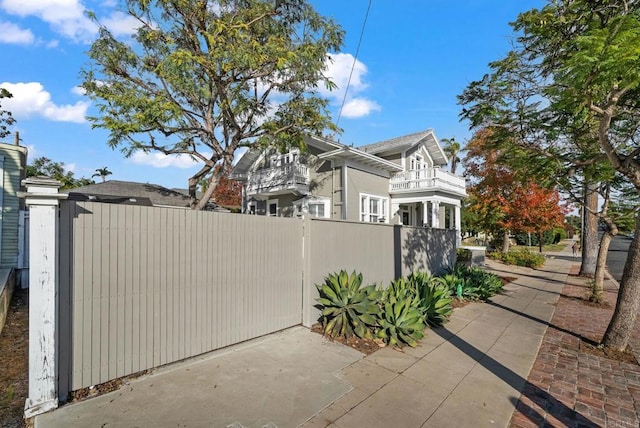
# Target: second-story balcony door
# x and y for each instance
(418, 166)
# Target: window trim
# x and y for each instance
(269, 203)
(302, 206)
(365, 215)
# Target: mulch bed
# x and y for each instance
(366, 346)
(14, 359)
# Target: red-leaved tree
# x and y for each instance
(532, 208)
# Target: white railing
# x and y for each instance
(428, 178)
(291, 174)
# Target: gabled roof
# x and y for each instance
(346, 152)
(330, 150)
(400, 144)
(158, 195)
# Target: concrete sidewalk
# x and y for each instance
(468, 373)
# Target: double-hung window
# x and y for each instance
(373, 209)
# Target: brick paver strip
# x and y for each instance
(602, 392)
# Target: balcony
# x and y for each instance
(428, 179)
(288, 178)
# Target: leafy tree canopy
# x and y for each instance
(203, 78)
(43, 166)
(6, 118)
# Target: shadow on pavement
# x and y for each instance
(542, 398)
(548, 324)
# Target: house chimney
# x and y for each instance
(17, 138)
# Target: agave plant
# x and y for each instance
(401, 323)
(347, 308)
(399, 290)
(435, 298)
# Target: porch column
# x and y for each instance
(395, 211)
(42, 198)
(425, 214)
(435, 219)
(452, 218)
(458, 225)
(442, 216)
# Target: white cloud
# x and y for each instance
(121, 24)
(339, 68)
(65, 16)
(31, 99)
(12, 34)
(160, 160)
(359, 107)
(78, 90)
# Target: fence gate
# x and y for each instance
(147, 286)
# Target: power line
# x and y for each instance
(353, 66)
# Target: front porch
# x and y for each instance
(438, 213)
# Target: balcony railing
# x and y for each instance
(287, 176)
(426, 179)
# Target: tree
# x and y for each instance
(228, 193)
(102, 173)
(6, 118)
(43, 166)
(577, 62)
(492, 184)
(205, 78)
(533, 209)
(452, 150)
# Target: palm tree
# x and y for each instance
(452, 149)
(102, 173)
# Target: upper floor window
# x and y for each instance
(373, 209)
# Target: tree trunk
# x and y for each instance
(605, 241)
(589, 232)
(601, 266)
(628, 303)
(206, 196)
(540, 241)
(505, 243)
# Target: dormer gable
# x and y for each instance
(414, 151)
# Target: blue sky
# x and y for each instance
(415, 57)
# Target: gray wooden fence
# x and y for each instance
(141, 287)
(149, 286)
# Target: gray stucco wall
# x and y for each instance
(363, 182)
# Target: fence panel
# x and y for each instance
(381, 252)
(147, 286)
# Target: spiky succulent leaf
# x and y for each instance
(347, 308)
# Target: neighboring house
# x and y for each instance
(128, 192)
(13, 160)
(132, 193)
(398, 181)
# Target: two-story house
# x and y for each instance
(398, 181)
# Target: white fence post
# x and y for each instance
(42, 198)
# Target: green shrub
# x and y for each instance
(435, 298)
(524, 258)
(347, 308)
(484, 284)
(463, 255)
(472, 283)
